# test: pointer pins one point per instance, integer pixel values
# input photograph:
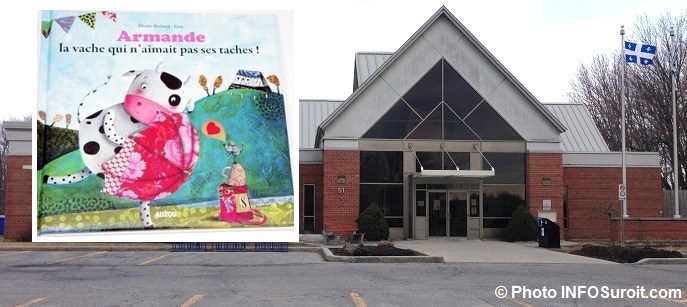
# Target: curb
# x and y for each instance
(662, 261)
(329, 256)
(86, 248)
(311, 249)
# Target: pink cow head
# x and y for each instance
(153, 92)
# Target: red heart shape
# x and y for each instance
(213, 129)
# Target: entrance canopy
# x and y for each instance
(451, 176)
(455, 173)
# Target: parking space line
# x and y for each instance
(521, 303)
(14, 253)
(153, 260)
(193, 300)
(72, 258)
(684, 302)
(358, 300)
(36, 300)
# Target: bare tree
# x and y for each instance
(649, 121)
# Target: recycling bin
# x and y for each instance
(549, 234)
(2, 225)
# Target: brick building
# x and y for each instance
(18, 208)
(448, 143)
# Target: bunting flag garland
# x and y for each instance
(65, 22)
(45, 28)
(111, 15)
(89, 19)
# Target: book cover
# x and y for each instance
(155, 122)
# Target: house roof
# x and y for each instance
(312, 113)
(582, 134)
(366, 63)
(443, 11)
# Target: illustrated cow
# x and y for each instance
(103, 133)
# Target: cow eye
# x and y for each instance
(144, 86)
(174, 100)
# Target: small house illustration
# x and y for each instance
(250, 79)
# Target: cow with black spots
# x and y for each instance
(103, 133)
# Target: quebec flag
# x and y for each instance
(638, 53)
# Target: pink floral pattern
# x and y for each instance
(136, 166)
(155, 162)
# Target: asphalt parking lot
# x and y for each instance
(163, 278)
(89, 276)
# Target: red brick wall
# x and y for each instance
(341, 209)
(312, 174)
(545, 165)
(590, 187)
(648, 231)
(18, 208)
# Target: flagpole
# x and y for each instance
(673, 71)
(622, 112)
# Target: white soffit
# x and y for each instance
(456, 173)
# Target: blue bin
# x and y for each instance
(2, 225)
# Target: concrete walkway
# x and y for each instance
(487, 251)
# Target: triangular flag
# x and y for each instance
(89, 19)
(111, 15)
(45, 28)
(65, 22)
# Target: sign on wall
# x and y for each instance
(158, 122)
(622, 192)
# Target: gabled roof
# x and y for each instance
(312, 113)
(366, 63)
(442, 12)
(582, 134)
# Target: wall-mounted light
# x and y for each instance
(546, 182)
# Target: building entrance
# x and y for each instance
(449, 212)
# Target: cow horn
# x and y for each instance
(158, 67)
(187, 80)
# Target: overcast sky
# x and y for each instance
(542, 43)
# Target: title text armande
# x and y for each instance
(190, 37)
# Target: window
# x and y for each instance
(489, 125)
(499, 202)
(509, 167)
(308, 208)
(565, 207)
(395, 124)
(389, 198)
(381, 167)
(442, 160)
(442, 105)
(420, 203)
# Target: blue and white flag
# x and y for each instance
(639, 53)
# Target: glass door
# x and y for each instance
(458, 213)
(437, 214)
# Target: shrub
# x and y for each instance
(372, 222)
(522, 226)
